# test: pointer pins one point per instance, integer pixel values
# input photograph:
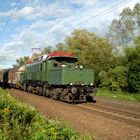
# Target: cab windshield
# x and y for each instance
(69, 62)
(66, 59)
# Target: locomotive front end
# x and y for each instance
(80, 83)
(74, 81)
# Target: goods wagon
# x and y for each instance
(11, 77)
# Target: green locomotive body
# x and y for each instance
(59, 77)
(62, 74)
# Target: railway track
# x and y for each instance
(130, 118)
(111, 112)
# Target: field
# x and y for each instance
(135, 97)
(22, 122)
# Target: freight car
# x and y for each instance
(11, 77)
(56, 76)
(3, 77)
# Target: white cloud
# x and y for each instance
(42, 11)
(85, 3)
(39, 11)
(5, 14)
(8, 57)
(26, 11)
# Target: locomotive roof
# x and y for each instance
(64, 58)
(61, 54)
(58, 56)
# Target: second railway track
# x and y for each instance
(130, 118)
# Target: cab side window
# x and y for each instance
(41, 66)
(55, 64)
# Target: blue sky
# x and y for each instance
(42, 23)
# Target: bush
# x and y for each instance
(22, 122)
(115, 79)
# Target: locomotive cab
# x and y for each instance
(65, 71)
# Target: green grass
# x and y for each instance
(19, 121)
(135, 97)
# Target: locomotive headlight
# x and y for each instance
(71, 84)
(74, 90)
(81, 67)
(63, 65)
(91, 84)
(82, 84)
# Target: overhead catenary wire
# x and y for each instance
(8, 20)
(107, 11)
(5, 26)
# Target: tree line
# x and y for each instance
(115, 58)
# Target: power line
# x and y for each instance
(8, 20)
(5, 26)
(91, 19)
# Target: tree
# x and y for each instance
(132, 62)
(116, 79)
(136, 12)
(127, 24)
(46, 50)
(60, 47)
(93, 51)
(113, 35)
(122, 32)
(22, 61)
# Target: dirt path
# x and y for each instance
(96, 124)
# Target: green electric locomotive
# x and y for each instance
(58, 76)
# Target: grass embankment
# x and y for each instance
(135, 97)
(19, 121)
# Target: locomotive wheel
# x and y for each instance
(31, 89)
(28, 89)
(90, 99)
(63, 95)
(54, 94)
(57, 93)
(83, 98)
(46, 93)
(24, 87)
(65, 91)
(67, 98)
(37, 90)
(40, 91)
